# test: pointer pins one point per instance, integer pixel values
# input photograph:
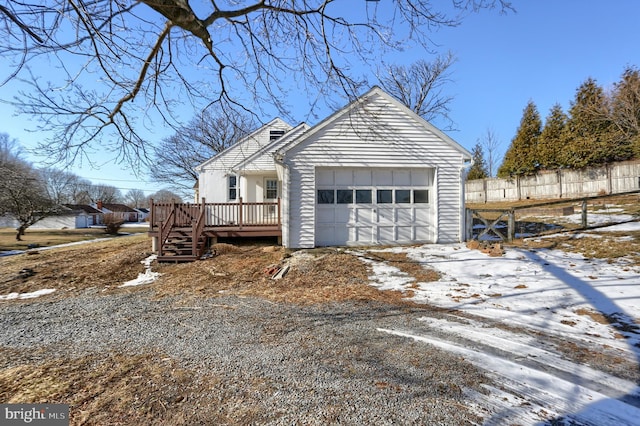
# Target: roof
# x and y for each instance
(242, 141)
(121, 208)
(82, 207)
(274, 145)
(376, 91)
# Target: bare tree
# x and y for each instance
(104, 193)
(204, 136)
(81, 191)
(491, 143)
(165, 196)
(135, 198)
(420, 87)
(23, 194)
(59, 184)
(113, 68)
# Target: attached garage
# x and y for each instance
(363, 206)
(372, 173)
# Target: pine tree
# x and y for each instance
(550, 143)
(588, 134)
(521, 157)
(479, 168)
(625, 110)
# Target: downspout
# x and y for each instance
(464, 169)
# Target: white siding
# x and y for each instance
(56, 222)
(213, 174)
(375, 134)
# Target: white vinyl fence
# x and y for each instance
(610, 179)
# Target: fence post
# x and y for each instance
(240, 212)
(584, 213)
(468, 224)
(511, 226)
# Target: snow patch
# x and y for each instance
(31, 295)
(146, 277)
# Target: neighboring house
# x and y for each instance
(85, 215)
(121, 211)
(71, 216)
(372, 173)
(143, 213)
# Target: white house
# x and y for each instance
(374, 172)
(70, 216)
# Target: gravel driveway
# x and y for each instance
(257, 361)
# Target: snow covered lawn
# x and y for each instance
(593, 301)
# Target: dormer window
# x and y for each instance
(275, 134)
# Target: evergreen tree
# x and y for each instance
(625, 110)
(588, 134)
(550, 143)
(478, 169)
(521, 157)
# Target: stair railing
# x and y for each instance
(196, 231)
(165, 228)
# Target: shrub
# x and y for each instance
(112, 223)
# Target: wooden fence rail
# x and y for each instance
(495, 219)
(209, 215)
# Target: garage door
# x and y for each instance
(373, 206)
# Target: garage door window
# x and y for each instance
(363, 196)
(403, 196)
(384, 196)
(420, 196)
(325, 196)
(344, 196)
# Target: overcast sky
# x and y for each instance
(542, 52)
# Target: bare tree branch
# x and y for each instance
(421, 87)
(97, 73)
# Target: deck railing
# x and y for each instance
(237, 215)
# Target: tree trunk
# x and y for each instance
(20, 232)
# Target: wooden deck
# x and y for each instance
(184, 231)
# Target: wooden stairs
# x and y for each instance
(180, 246)
(180, 241)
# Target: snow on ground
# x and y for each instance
(31, 295)
(550, 291)
(146, 277)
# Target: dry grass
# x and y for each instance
(52, 237)
(595, 316)
(115, 389)
(412, 268)
(598, 245)
(318, 276)
(70, 269)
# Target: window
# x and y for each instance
(233, 187)
(271, 189)
(403, 196)
(344, 196)
(420, 196)
(384, 196)
(363, 196)
(325, 196)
